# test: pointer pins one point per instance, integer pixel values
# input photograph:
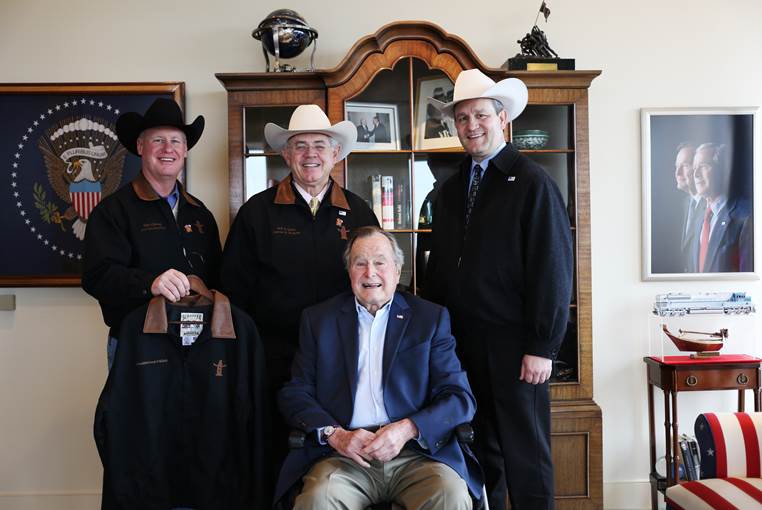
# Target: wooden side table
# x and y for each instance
(674, 374)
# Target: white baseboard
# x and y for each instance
(65, 500)
(632, 495)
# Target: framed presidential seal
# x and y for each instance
(59, 157)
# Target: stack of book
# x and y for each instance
(690, 456)
(388, 201)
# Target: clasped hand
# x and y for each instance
(363, 446)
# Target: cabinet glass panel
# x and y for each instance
(381, 112)
(262, 172)
(383, 180)
(560, 167)
(431, 129)
(430, 170)
(405, 240)
(566, 365)
(254, 120)
(545, 127)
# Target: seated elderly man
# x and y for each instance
(377, 384)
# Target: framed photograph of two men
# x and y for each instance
(698, 193)
(59, 157)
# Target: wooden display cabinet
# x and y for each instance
(390, 73)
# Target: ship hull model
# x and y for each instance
(700, 344)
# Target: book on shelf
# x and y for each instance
(399, 205)
(689, 456)
(694, 448)
(387, 202)
(375, 196)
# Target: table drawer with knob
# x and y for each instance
(735, 379)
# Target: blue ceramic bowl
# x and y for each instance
(530, 139)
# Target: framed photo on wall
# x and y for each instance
(59, 157)
(432, 129)
(377, 125)
(698, 193)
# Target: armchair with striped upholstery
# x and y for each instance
(730, 445)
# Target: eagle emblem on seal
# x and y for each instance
(84, 162)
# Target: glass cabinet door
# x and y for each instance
(545, 133)
(263, 167)
(397, 175)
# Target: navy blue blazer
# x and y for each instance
(422, 380)
(731, 245)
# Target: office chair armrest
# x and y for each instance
(465, 433)
(296, 439)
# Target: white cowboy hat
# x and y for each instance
(474, 84)
(309, 118)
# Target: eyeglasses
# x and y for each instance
(302, 147)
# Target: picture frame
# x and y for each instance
(698, 193)
(432, 129)
(55, 133)
(377, 125)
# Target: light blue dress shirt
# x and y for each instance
(369, 399)
(173, 197)
(483, 164)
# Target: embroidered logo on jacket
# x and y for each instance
(151, 362)
(219, 366)
(151, 227)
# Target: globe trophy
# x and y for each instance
(285, 34)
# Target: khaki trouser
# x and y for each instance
(410, 480)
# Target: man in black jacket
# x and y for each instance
(502, 262)
(284, 249)
(144, 239)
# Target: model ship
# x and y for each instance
(680, 303)
(701, 343)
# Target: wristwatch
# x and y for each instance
(328, 431)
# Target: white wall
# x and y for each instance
(657, 53)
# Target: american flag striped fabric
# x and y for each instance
(731, 476)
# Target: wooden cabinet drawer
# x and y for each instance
(721, 379)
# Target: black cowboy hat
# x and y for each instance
(163, 112)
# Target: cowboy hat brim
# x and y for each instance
(344, 132)
(511, 92)
(162, 113)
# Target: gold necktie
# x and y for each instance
(314, 204)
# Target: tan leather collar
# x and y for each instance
(222, 318)
(286, 195)
(144, 191)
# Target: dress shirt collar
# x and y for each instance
(306, 196)
(485, 162)
(717, 205)
(364, 314)
(173, 197)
